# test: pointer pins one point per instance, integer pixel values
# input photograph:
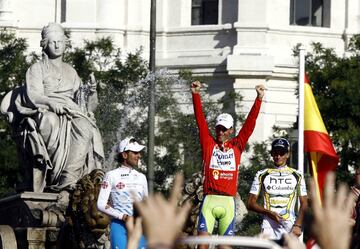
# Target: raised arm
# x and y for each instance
(199, 115)
(260, 91)
(250, 122)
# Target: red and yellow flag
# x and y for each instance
(317, 142)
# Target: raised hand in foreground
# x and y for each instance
(134, 232)
(292, 242)
(331, 226)
(163, 219)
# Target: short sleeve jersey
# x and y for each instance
(280, 188)
(120, 184)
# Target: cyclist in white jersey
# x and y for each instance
(120, 184)
(280, 186)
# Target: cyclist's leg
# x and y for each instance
(227, 221)
(206, 219)
(118, 238)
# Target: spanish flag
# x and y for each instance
(317, 142)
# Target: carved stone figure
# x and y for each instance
(51, 116)
(86, 226)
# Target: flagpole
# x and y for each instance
(301, 115)
(301, 109)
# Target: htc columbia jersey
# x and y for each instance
(281, 187)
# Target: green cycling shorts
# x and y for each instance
(217, 207)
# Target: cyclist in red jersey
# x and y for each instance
(221, 160)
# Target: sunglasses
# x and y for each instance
(221, 128)
(280, 153)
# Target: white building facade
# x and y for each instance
(237, 44)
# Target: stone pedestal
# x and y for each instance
(30, 220)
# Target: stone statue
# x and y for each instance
(51, 116)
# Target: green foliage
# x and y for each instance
(13, 64)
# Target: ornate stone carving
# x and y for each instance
(86, 227)
(53, 125)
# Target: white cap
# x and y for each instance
(126, 145)
(225, 120)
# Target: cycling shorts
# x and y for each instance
(118, 236)
(217, 207)
(275, 231)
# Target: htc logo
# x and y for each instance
(280, 180)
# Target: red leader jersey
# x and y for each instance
(221, 162)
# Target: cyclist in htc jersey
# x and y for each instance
(280, 186)
(120, 184)
(221, 161)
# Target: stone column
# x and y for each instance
(36, 238)
(6, 13)
(8, 239)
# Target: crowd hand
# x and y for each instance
(134, 232)
(293, 242)
(260, 90)
(162, 219)
(331, 227)
(195, 87)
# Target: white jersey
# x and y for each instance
(120, 184)
(281, 188)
